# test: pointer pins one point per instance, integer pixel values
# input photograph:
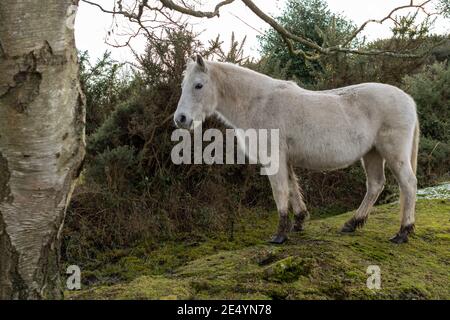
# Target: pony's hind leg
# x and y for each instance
(373, 164)
(407, 181)
(280, 188)
(402, 160)
(301, 213)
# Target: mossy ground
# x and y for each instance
(319, 263)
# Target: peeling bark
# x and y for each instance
(11, 283)
(42, 117)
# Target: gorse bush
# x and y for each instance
(433, 162)
(104, 84)
(431, 91)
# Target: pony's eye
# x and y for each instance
(198, 86)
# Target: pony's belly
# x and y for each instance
(323, 159)
(329, 147)
(310, 164)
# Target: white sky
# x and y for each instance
(92, 25)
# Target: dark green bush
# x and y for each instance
(431, 91)
(434, 162)
(104, 84)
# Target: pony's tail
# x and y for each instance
(415, 147)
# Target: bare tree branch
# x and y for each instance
(124, 13)
(199, 14)
(246, 23)
(388, 17)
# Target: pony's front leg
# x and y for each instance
(280, 189)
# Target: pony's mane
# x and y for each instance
(219, 66)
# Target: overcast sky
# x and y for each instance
(92, 25)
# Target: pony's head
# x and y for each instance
(199, 95)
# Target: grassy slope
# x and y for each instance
(319, 263)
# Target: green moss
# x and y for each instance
(319, 263)
(289, 269)
(145, 287)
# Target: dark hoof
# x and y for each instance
(399, 238)
(353, 224)
(348, 228)
(402, 235)
(299, 221)
(278, 239)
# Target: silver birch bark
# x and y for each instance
(42, 116)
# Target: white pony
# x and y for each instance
(319, 130)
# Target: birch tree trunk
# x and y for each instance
(42, 117)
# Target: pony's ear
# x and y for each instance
(190, 59)
(201, 63)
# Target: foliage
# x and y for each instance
(431, 91)
(104, 85)
(444, 7)
(341, 70)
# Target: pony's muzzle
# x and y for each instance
(182, 121)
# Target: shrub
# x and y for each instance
(431, 91)
(104, 85)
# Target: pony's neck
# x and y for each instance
(239, 90)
